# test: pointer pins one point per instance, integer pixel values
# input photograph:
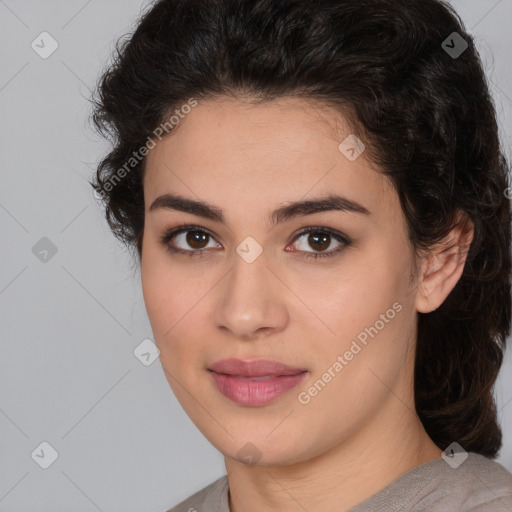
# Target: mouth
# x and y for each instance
(254, 383)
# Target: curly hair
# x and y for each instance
(428, 122)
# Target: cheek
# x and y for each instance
(372, 347)
(366, 305)
(354, 295)
(174, 302)
(164, 293)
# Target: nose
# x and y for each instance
(251, 302)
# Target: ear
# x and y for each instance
(442, 268)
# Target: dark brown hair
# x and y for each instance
(423, 111)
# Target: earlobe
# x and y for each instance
(443, 267)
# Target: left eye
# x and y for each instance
(319, 240)
(195, 237)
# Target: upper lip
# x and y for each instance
(253, 368)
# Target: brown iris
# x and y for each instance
(196, 237)
(317, 240)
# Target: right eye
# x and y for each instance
(193, 236)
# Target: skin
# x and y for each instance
(361, 431)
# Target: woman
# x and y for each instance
(318, 200)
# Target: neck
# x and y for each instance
(342, 476)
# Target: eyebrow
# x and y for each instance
(332, 202)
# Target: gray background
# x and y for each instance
(68, 375)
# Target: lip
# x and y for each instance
(254, 368)
(256, 382)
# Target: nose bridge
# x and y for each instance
(249, 276)
(250, 300)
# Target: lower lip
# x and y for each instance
(255, 392)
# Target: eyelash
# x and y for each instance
(345, 241)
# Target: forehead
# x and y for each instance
(286, 126)
(281, 150)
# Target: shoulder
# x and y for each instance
(475, 484)
(213, 497)
(483, 484)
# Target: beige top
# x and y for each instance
(478, 484)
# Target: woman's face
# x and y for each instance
(256, 291)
